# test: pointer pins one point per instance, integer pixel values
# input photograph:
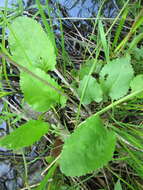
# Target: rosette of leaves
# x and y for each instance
(114, 81)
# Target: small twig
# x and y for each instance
(50, 165)
(31, 186)
(129, 144)
(72, 90)
(107, 183)
(68, 85)
(22, 115)
(17, 111)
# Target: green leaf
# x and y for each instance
(89, 148)
(137, 53)
(115, 77)
(25, 135)
(118, 186)
(39, 96)
(93, 90)
(135, 41)
(30, 44)
(137, 84)
(85, 68)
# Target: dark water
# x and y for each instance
(11, 168)
(87, 8)
(12, 3)
(74, 8)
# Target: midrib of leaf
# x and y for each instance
(28, 71)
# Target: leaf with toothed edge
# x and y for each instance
(38, 95)
(93, 91)
(29, 43)
(89, 148)
(115, 77)
(137, 84)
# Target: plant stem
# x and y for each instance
(115, 104)
(26, 171)
(118, 102)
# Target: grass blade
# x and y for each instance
(104, 41)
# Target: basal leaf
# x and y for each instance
(27, 39)
(25, 135)
(138, 53)
(93, 90)
(115, 77)
(89, 148)
(137, 84)
(85, 68)
(38, 95)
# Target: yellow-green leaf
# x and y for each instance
(38, 95)
(30, 45)
(25, 135)
(89, 148)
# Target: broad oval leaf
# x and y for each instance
(89, 148)
(115, 77)
(29, 44)
(93, 90)
(137, 84)
(38, 95)
(25, 135)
